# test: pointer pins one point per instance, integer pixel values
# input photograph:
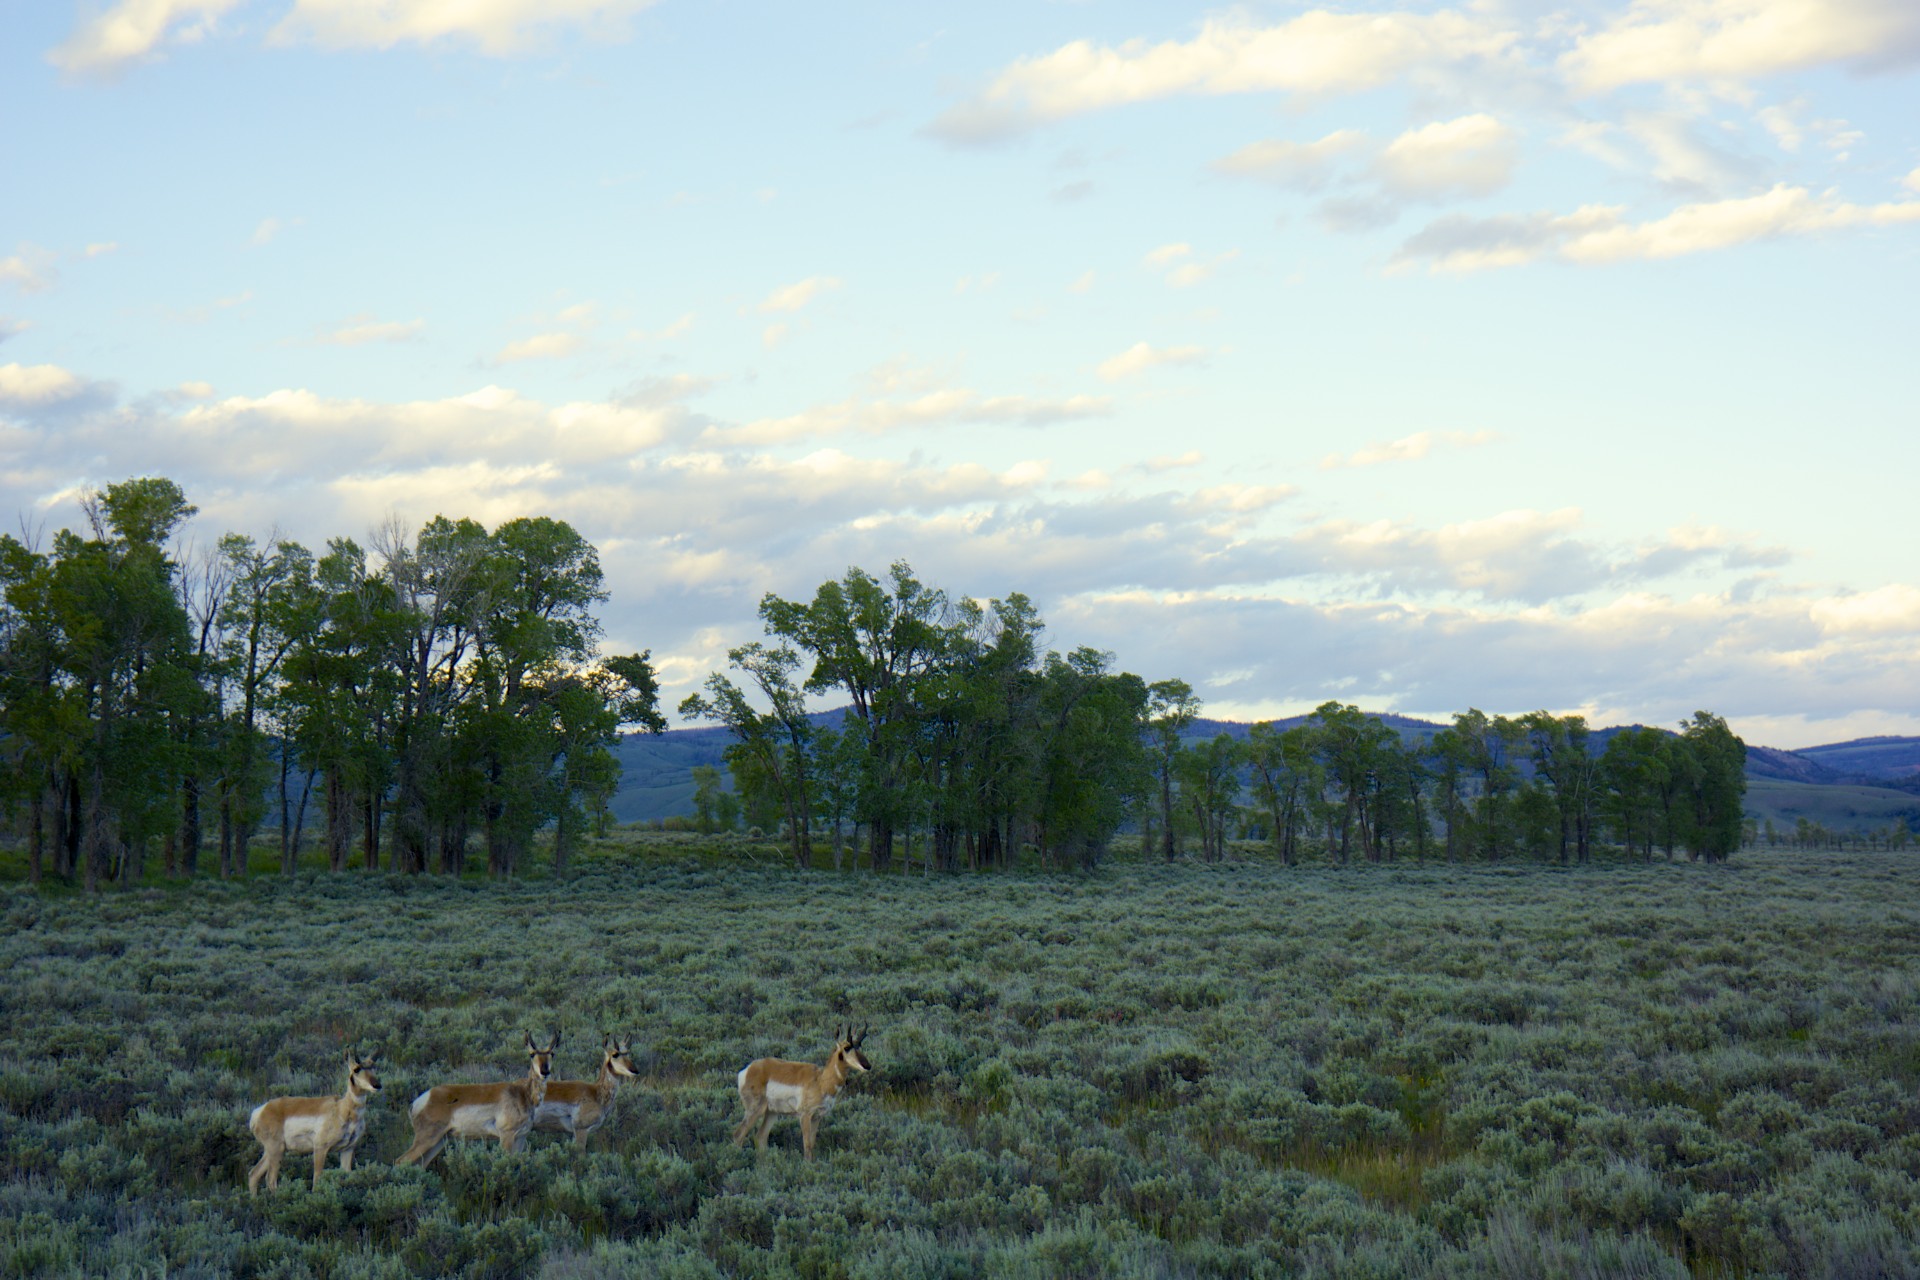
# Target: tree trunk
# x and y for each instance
(36, 835)
(370, 817)
(66, 830)
(300, 820)
(190, 824)
(95, 851)
(226, 836)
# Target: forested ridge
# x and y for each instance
(440, 690)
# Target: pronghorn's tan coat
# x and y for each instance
(503, 1110)
(319, 1125)
(773, 1087)
(579, 1107)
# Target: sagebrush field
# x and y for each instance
(1221, 1070)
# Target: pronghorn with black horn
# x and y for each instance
(503, 1110)
(774, 1087)
(579, 1107)
(320, 1125)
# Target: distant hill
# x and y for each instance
(1867, 782)
(1869, 757)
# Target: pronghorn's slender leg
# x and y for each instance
(806, 1133)
(746, 1126)
(426, 1145)
(268, 1168)
(346, 1161)
(766, 1127)
(319, 1162)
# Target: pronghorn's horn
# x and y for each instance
(530, 1048)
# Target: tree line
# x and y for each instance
(959, 731)
(438, 687)
(441, 688)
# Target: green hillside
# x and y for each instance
(1836, 806)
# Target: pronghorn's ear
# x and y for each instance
(530, 1048)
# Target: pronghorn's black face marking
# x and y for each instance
(849, 1047)
(542, 1058)
(615, 1056)
(360, 1072)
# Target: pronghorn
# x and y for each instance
(503, 1110)
(772, 1087)
(579, 1107)
(320, 1125)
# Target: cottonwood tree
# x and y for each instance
(1716, 786)
(1089, 758)
(1285, 775)
(772, 746)
(1563, 759)
(875, 642)
(100, 677)
(267, 606)
(1209, 777)
(1171, 707)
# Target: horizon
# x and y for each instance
(1412, 356)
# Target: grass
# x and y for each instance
(1184, 1071)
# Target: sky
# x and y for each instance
(1506, 355)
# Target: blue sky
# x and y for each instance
(1507, 355)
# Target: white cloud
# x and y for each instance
(794, 296)
(9, 327)
(1180, 581)
(1912, 181)
(1407, 448)
(1316, 53)
(131, 31)
(1140, 357)
(33, 386)
(1642, 658)
(1892, 610)
(361, 330)
(100, 249)
(1472, 156)
(270, 228)
(933, 407)
(1087, 278)
(678, 329)
(1707, 40)
(1602, 234)
(1302, 166)
(496, 27)
(541, 346)
(30, 269)
(1186, 273)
